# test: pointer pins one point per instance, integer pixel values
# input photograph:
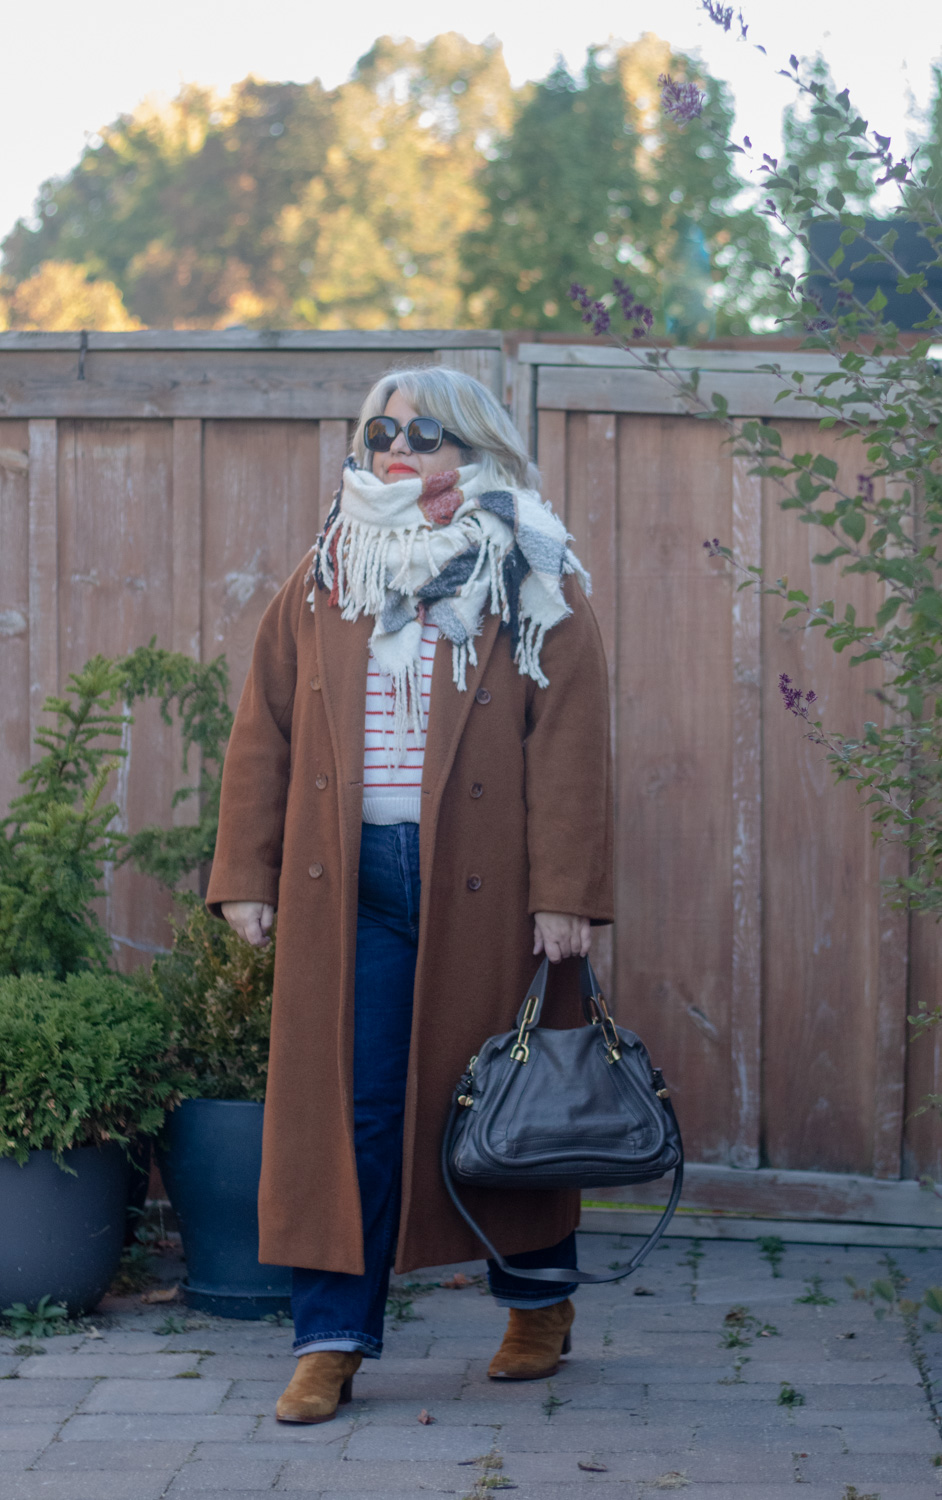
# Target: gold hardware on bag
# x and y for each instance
(663, 1093)
(465, 1100)
(520, 1050)
(609, 1032)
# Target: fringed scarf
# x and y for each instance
(445, 551)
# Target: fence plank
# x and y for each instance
(187, 536)
(746, 990)
(263, 384)
(674, 856)
(43, 570)
(551, 458)
(592, 486)
(333, 450)
(890, 1021)
(14, 606)
(486, 365)
(626, 390)
(821, 868)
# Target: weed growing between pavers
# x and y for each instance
(788, 1396)
(692, 1259)
(279, 1319)
(814, 1295)
(491, 1476)
(736, 1377)
(39, 1322)
(674, 1479)
(772, 1249)
(552, 1402)
(851, 1492)
(740, 1327)
(169, 1325)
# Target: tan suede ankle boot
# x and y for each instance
(322, 1381)
(535, 1340)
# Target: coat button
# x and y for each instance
(320, 781)
(477, 790)
(482, 696)
(315, 871)
(316, 684)
(474, 882)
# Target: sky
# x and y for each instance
(70, 69)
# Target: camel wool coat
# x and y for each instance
(516, 818)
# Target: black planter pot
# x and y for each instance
(210, 1157)
(61, 1235)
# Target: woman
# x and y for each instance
(428, 692)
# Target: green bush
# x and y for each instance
(83, 1060)
(217, 991)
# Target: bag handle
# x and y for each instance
(593, 1004)
(558, 1273)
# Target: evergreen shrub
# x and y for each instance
(217, 992)
(83, 1060)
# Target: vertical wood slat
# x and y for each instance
(486, 365)
(890, 1038)
(43, 570)
(746, 979)
(593, 521)
(333, 450)
(186, 629)
(187, 597)
(551, 457)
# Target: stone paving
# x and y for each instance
(704, 1374)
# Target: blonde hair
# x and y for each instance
(467, 408)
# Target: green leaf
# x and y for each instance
(877, 302)
(854, 524)
(888, 610)
(933, 1299)
(825, 466)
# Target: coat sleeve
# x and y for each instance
(247, 859)
(570, 831)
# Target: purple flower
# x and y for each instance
(794, 699)
(865, 488)
(723, 16)
(633, 311)
(579, 294)
(713, 546)
(680, 101)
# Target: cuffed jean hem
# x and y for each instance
(537, 1301)
(344, 1341)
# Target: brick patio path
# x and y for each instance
(656, 1397)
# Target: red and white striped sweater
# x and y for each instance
(393, 793)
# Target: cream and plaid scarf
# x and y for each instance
(445, 550)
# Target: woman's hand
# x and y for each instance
(559, 935)
(252, 920)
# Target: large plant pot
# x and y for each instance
(61, 1234)
(210, 1156)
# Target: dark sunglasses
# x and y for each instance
(423, 434)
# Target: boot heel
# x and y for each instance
(567, 1343)
(346, 1391)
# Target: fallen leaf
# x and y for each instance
(592, 1468)
(674, 1479)
(426, 1418)
(456, 1282)
(643, 1291)
(162, 1294)
(92, 1333)
(846, 1335)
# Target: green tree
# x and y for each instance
(61, 294)
(590, 182)
(816, 142)
(375, 239)
(286, 204)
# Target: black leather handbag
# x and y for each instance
(540, 1108)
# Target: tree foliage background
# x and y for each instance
(423, 192)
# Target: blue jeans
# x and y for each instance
(333, 1309)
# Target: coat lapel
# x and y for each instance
(448, 713)
(342, 655)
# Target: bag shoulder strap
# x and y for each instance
(558, 1273)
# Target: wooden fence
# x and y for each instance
(164, 485)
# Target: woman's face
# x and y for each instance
(400, 462)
